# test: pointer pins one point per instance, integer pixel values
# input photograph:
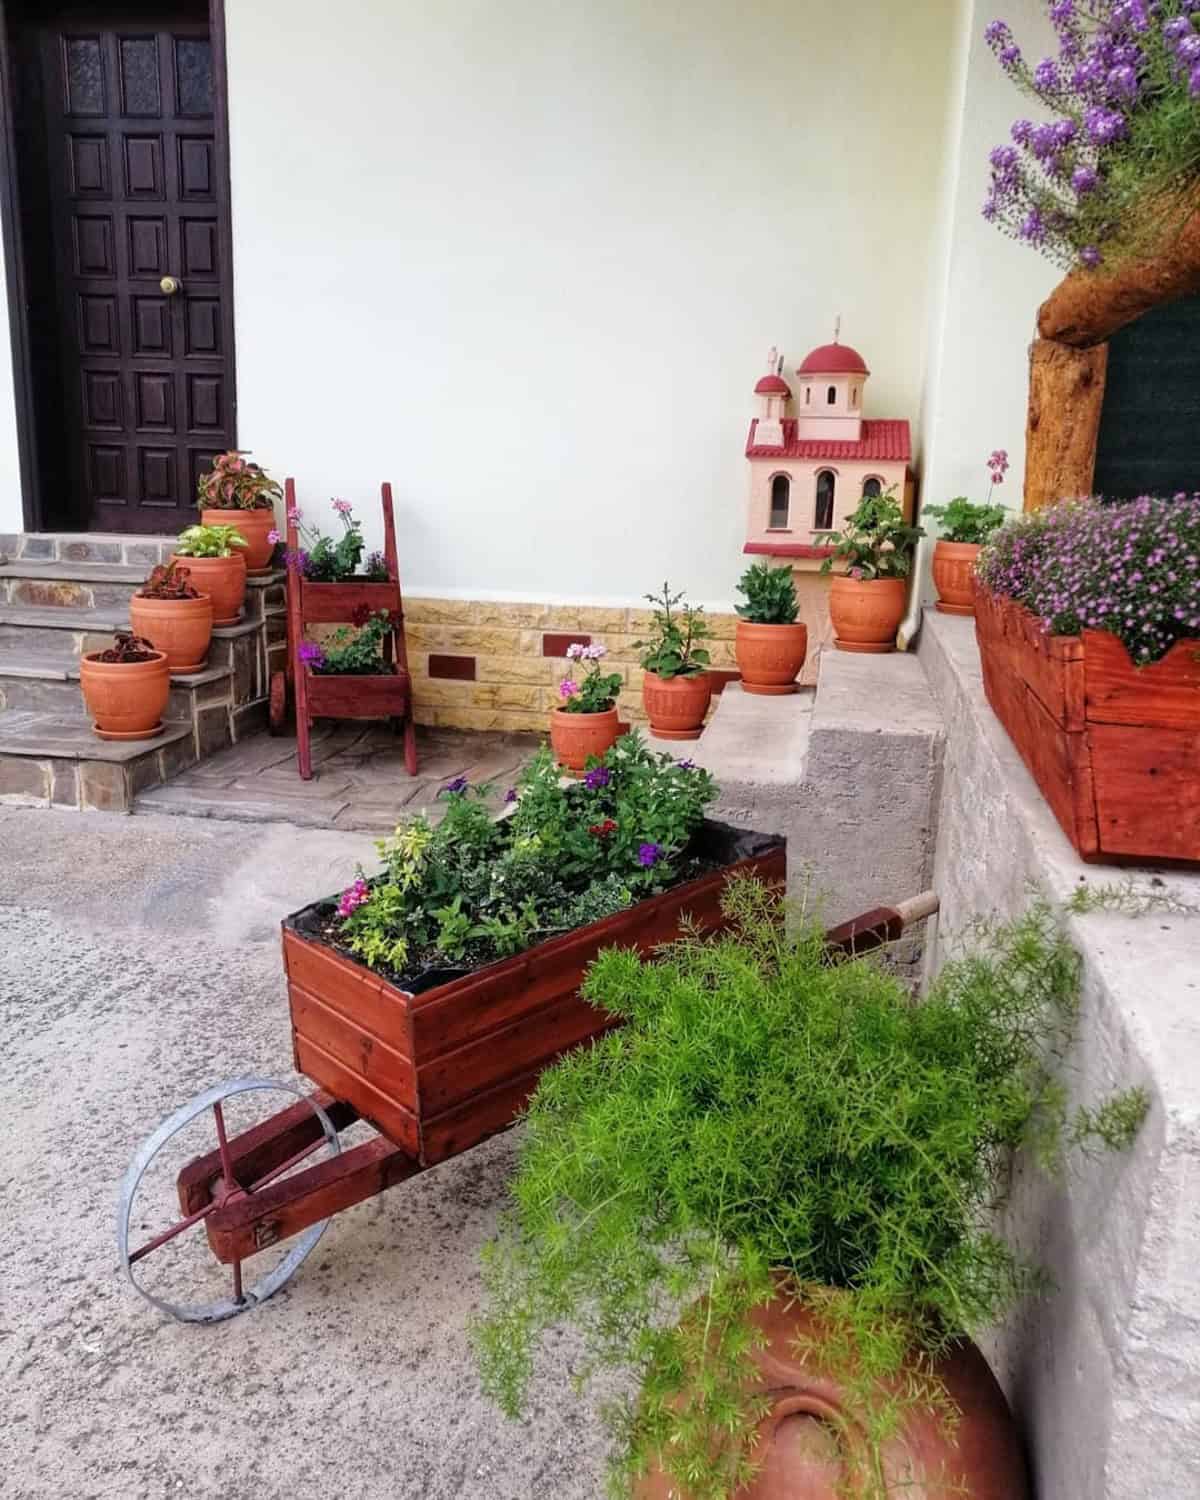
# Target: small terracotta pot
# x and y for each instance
(254, 526)
(811, 1445)
(769, 657)
(223, 579)
(573, 737)
(676, 705)
(125, 699)
(181, 628)
(954, 576)
(866, 612)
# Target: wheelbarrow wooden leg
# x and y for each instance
(881, 925)
(250, 1222)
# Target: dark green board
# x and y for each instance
(1150, 421)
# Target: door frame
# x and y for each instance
(33, 500)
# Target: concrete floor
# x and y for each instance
(139, 963)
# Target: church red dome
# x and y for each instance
(834, 359)
(772, 385)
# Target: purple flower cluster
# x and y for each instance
(1125, 86)
(596, 778)
(1131, 568)
(649, 854)
(456, 787)
(311, 654)
(353, 897)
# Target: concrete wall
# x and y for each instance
(1105, 1372)
(527, 260)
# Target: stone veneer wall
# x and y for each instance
(485, 665)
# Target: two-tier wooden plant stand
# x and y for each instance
(387, 695)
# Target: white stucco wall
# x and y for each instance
(526, 261)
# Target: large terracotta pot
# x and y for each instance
(254, 526)
(181, 628)
(953, 576)
(223, 579)
(676, 705)
(866, 612)
(125, 699)
(769, 657)
(573, 737)
(811, 1445)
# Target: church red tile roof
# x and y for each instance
(883, 442)
(772, 385)
(833, 359)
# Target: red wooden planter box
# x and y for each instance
(343, 695)
(441, 1068)
(1114, 748)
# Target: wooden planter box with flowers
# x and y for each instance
(1113, 747)
(400, 1003)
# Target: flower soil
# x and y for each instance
(1113, 747)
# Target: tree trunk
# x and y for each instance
(1087, 307)
(1066, 392)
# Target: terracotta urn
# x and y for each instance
(254, 526)
(866, 612)
(811, 1444)
(223, 579)
(770, 657)
(180, 628)
(125, 699)
(953, 576)
(676, 706)
(573, 737)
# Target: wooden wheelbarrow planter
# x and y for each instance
(435, 1070)
(342, 696)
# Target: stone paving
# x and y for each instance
(359, 780)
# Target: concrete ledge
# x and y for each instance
(1105, 1373)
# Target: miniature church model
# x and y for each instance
(812, 464)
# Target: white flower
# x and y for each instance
(575, 651)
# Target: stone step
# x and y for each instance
(55, 760)
(85, 547)
(69, 586)
(48, 681)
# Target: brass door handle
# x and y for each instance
(169, 286)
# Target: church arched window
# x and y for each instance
(826, 485)
(781, 502)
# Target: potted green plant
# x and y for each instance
(805, 1163)
(585, 722)
(1088, 622)
(677, 686)
(965, 527)
(174, 615)
(216, 559)
(769, 644)
(125, 688)
(324, 559)
(234, 484)
(866, 601)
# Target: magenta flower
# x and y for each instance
(343, 507)
(273, 537)
(311, 654)
(293, 515)
(353, 897)
(567, 688)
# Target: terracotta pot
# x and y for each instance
(811, 1445)
(954, 576)
(574, 737)
(769, 657)
(254, 526)
(866, 612)
(181, 628)
(676, 705)
(125, 699)
(223, 579)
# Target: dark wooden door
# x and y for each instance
(138, 193)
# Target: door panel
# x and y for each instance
(137, 192)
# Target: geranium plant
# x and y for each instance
(770, 595)
(1120, 164)
(674, 650)
(476, 888)
(963, 520)
(877, 541)
(1132, 569)
(325, 559)
(352, 652)
(764, 1119)
(595, 692)
(234, 483)
(209, 541)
